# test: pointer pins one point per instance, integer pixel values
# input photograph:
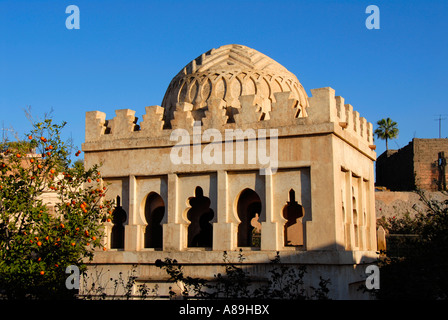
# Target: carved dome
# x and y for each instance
(227, 73)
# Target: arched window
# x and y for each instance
(118, 220)
(249, 210)
(154, 212)
(293, 229)
(200, 230)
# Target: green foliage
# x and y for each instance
(387, 129)
(420, 272)
(38, 241)
(431, 224)
(284, 282)
(404, 224)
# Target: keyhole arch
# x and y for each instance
(293, 213)
(249, 209)
(198, 216)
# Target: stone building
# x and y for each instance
(238, 157)
(419, 165)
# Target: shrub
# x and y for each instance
(420, 272)
(38, 241)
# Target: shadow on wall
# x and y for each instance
(200, 230)
(237, 274)
(117, 233)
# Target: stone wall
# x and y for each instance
(397, 203)
(427, 173)
(412, 167)
(395, 169)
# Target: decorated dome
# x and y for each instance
(227, 73)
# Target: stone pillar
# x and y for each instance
(270, 232)
(321, 230)
(174, 232)
(134, 232)
(107, 232)
(223, 228)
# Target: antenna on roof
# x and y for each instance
(440, 123)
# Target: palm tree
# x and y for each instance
(387, 129)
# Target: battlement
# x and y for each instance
(284, 113)
(326, 106)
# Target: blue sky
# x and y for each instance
(126, 52)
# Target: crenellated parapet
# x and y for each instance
(284, 113)
(325, 106)
(216, 114)
(96, 125)
(153, 120)
(124, 123)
